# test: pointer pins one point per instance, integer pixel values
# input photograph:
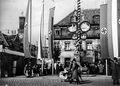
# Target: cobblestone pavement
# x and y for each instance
(99, 80)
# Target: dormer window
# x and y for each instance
(57, 32)
(73, 18)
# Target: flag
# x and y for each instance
(26, 44)
(103, 31)
(118, 25)
(109, 25)
(113, 34)
(40, 50)
(114, 30)
(50, 31)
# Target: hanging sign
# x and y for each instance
(84, 36)
(85, 26)
(74, 36)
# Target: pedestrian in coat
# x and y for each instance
(115, 71)
(74, 71)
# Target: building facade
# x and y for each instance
(63, 37)
(12, 59)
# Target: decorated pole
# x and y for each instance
(79, 11)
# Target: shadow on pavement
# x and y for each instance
(83, 82)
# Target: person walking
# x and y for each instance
(115, 71)
(74, 71)
(79, 70)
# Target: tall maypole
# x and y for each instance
(83, 27)
(79, 11)
(77, 53)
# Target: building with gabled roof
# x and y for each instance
(12, 51)
(3, 40)
(8, 55)
(63, 37)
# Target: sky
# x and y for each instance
(10, 10)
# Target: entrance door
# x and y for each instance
(67, 62)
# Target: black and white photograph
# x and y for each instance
(59, 42)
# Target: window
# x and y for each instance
(57, 32)
(56, 44)
(67, 46)
(96, 19)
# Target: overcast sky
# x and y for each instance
(10, 10)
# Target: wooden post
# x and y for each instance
(1, 50)
(42, 65)
(52, 66)
(14, 67)
(0, 67)
(106, 67)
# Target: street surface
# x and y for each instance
(99, 80)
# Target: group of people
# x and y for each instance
(58, 67)
(36, 70)
(73, 72)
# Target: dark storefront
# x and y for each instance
(7, 64)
